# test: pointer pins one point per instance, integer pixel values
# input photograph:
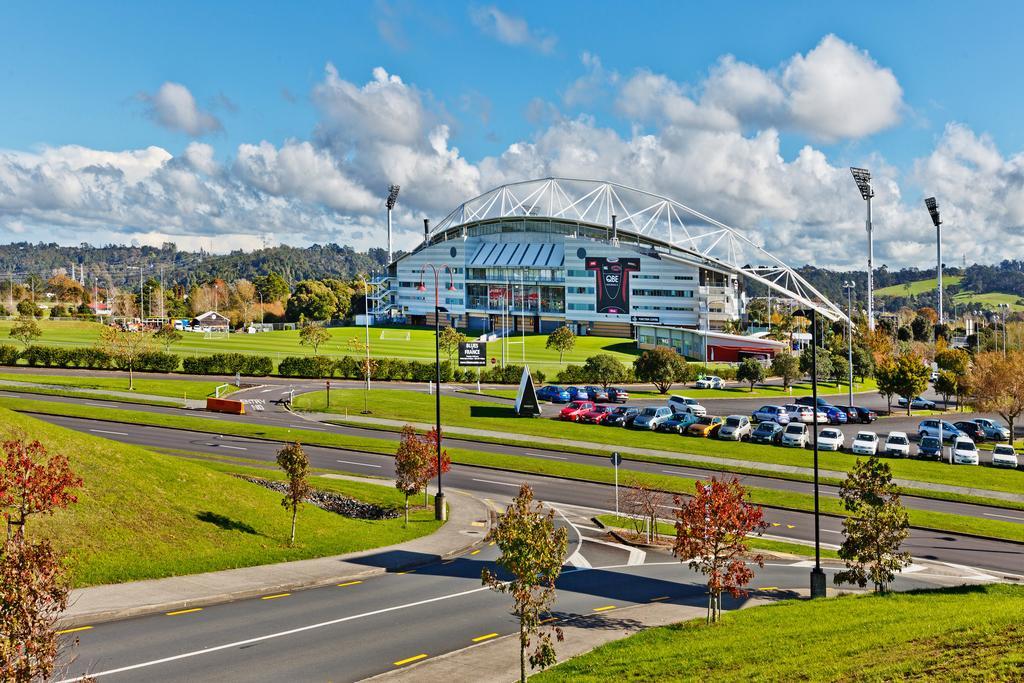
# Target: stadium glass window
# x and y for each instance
(581, 307)
(684, 277)
(580, 290)
(580, 273)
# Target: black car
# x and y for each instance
(858, 414)
(971, 429)
(621, 417)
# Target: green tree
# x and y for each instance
(921, 328)
(314, 334)
(312, 300)
(561, 340)
(343, 293)
(876, 526)
(449, 340)
(863, 362)
(126, 348)
(909, 376)
(167, 336)
(532, 551)
(824, 362)
(885, 378)
(26, 330)
(662, 367)
(272, 287)
(840, 368)
(997, 385)
(28, 309)
(751, 371)
(786, 366)
(604, 369)
(293, 460)
(412, 464)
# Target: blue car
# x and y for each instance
(554, 394)
(940, 429)
(775, 414)
(836, 416)
(577, 394)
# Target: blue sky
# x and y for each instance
(90, 74)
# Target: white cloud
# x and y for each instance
(174, 107)
(511, 30)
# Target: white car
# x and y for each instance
(865, 443)
(1004, 456)
(735, 428)
(964, 451)
(831, 439)
(897, 443)
(795, 435)
(805, 414)
(687, 405)
(710, 382)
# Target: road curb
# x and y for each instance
(106, 615)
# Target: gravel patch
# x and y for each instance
(332, 502)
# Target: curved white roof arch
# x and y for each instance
(642, 213)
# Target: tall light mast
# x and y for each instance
(862, 177)
(392, 198)
(933, 211)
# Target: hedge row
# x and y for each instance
(396, 369)
(85, 357)
(229, 364)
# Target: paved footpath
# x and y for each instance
(468, 522)
(727, 462)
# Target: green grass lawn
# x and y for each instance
(145, 515)
(174, 388)
(668, 529)
(988, 300)
(467, 412)
(384, 343)
(965, 633)
(511, 463)
(918, 286)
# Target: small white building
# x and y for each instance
(211, 321)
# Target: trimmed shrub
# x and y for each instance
(229, 364)
(9, 354)
(306, 366)
(157, 361)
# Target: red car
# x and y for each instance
(575, 410)
(596, 416)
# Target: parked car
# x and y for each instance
(687, 403)
(678, 423)
(553, 393)
(596, 394)
(621, 417)
(934, 377)
(993, 430)
(735, 428)
(930, 447)
(617, 395)
(971, 429)
(805, 414)
(831, 439)
(705, 426)
(964, 451)
(596, 416)
(897, 443)
(858, 414)
(766, 432)
(710, 382)
(650, 417)
(865, 443)
(795, 435)
(939, 428)
(835, 414)
(577, 394)
(1003, 455)
(776, 414)
(575, 410)
(917, 403)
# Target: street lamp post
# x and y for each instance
(366, 321)
(1002, 315)
(933, 211)
(862, 177)
(848, 286)
(440, 511)
(817, 574)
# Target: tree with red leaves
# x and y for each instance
(413, 465)
(446, 461)
(711, 534)
(33, 591)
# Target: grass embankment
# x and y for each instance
(173, 388)
(145, 515)
(470, 413)
(668, 530)
(918, 286)
(965, 633)
(384, 343)
(71, 393)
(512, 463)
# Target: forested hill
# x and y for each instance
(120, 264)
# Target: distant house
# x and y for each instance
(100, 308)
(211, 321)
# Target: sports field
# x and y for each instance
(404, 343)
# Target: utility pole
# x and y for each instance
(848, 286)
(163, 313)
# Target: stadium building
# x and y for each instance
(601, 258)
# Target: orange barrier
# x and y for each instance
(224, 405)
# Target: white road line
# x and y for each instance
(362, 464)
(636, 556)
(314, 429)
(96, 405)
(266, 391)
(576, 559)
(234, 448)
(269, 636)
(1016, 519)
(538, 455)
(829, 531)
(699, 475)
(499, 483)
(104, 431)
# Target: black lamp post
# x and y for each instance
(440, 511)
(817, 574)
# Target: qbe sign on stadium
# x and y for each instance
(473, 354)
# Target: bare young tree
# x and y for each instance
(644, 504)
(126, 347)
(293, 460)
(412, 465)
(314, 334)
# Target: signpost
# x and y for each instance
(328, 393)
(616, 461)
(473, 354)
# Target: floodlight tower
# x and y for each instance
(862, 177)
(933, 210)
(392, 198)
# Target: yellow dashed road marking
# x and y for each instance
(475, 552)
(604, 609)
(73, 630)
(403, 662)
(549, 620)
(185, 611)
(273, 597)
(487, 636)
(350, 583)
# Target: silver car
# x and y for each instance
(992, 429)
(735, 428)
(650, 418)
